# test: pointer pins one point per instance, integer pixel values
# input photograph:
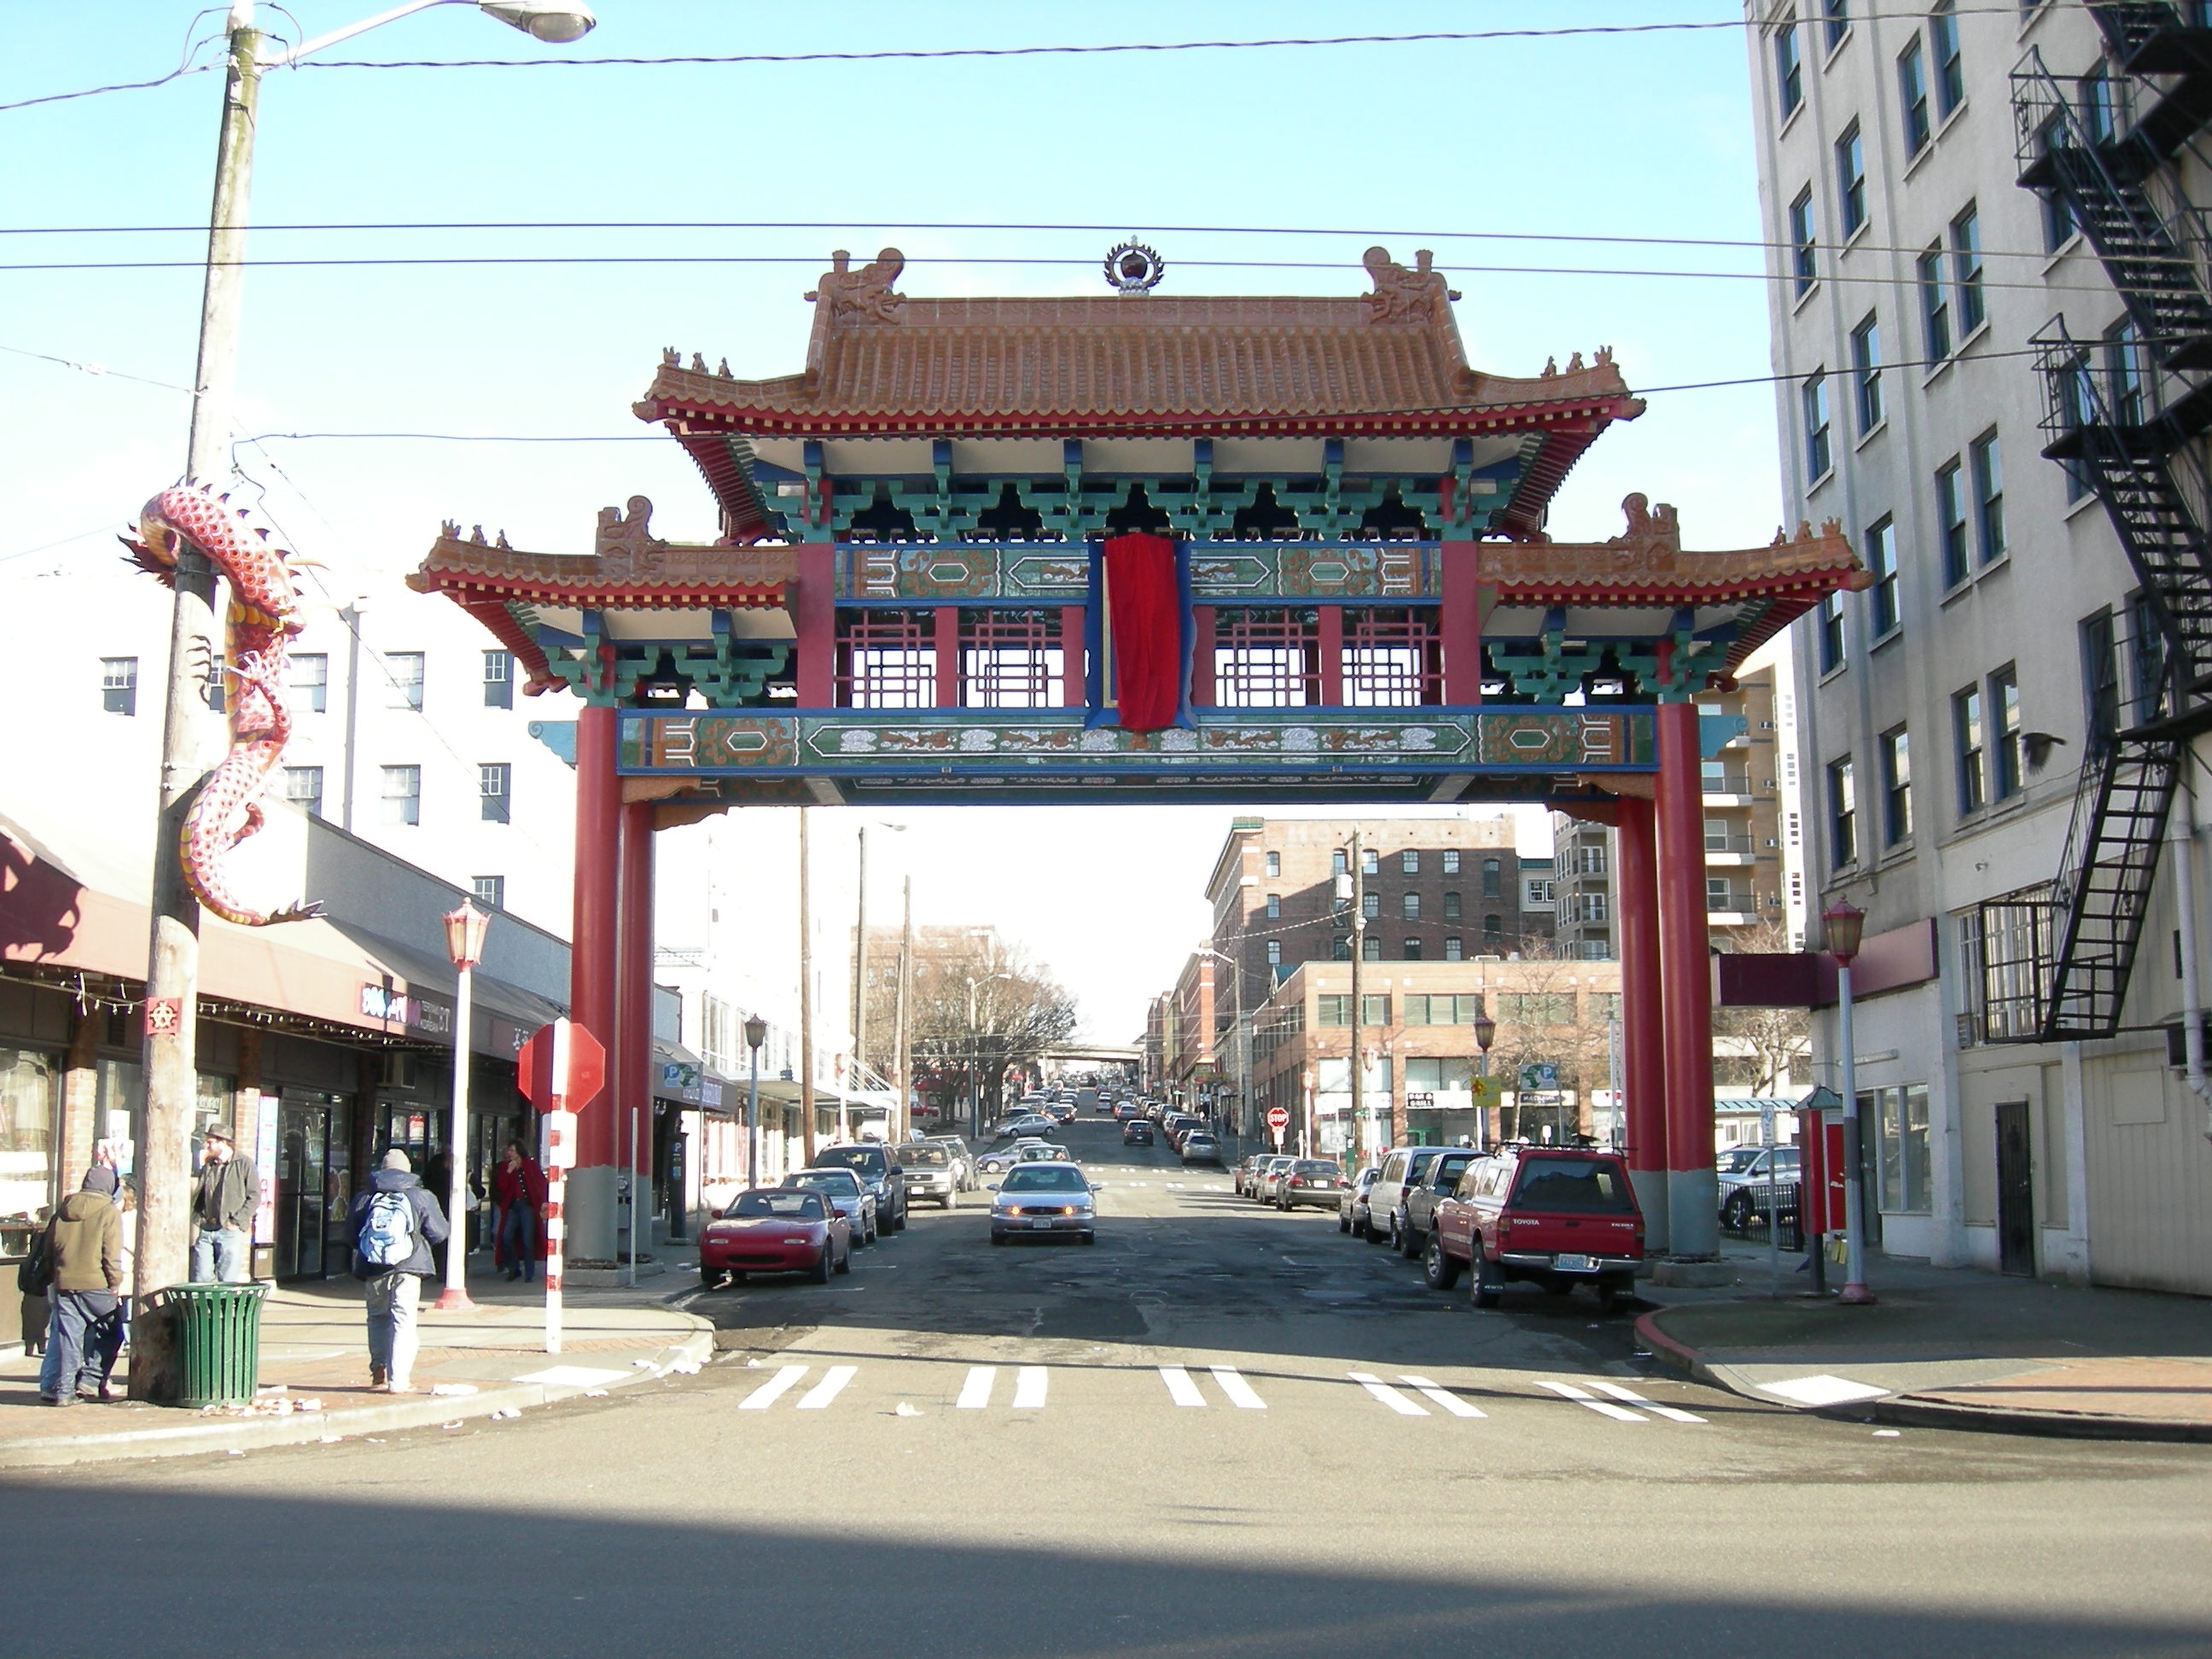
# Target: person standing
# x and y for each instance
(223, 1202)
(518, 1188)
(395, 1223)
(84, 1243)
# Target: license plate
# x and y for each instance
(1574, 1264)
(1040, 1224)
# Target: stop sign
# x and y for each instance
(562, 1063)
(1278, 1119)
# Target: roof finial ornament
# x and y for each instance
(1400, 295)
(1134, 270)
(864, 295)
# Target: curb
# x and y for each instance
(200, 1436)
(1677, 1356)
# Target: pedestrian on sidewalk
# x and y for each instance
(518, 1190)
(84, 1243)
(224, 1199)
(35, 1278)
(395, 1223)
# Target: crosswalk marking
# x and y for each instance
(1440, 1397)
(1238, 1390)
(770, 1391)
(1671, 1413)
(1181, 1389)
(1389, 1395)
(1030, 1387)
(1604, 1408)
(975, 1392)
(829, 1388)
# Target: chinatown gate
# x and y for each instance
(1144, 548)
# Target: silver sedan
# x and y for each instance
(1045, 1200)
(845, 1194)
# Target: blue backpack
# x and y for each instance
(387, 1231)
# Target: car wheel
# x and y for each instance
(1487, 1286)
(898, 1222)
(1391, 1239)
(1736, 1217)
(1359, 1227)
(1343, 1222)
(845, 1261)
(710, 1279)
(1409, 1243)
(1087, 1238)
(1441, 1271)
(1376, 1235)
(824, 1266)
(997, 1237)
(1610, 1291)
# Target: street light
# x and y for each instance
(755, 1034)
(1485, 1033)
(173, 966)
(1846, 926)
(464, 942)
(1238, 1053)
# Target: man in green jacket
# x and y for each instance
(84, 1242)
(224, 1198)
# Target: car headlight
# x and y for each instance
(795, 1240)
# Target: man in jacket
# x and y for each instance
(84, 1242)
(224, 1199)
(395, 1223)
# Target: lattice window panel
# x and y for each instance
(1266, 657)
(1392, 659)
(1012, 659)
(887, 660)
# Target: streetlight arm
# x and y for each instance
(279, 59)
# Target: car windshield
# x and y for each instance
(1309, 1167)
(1735, 1160)
(1063, 1180)
(930, 1157)
(867, 1158)
(1580, 1185)
(797, 1206)
(1037, 1152)
(841, 1183)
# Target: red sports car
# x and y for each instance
(776, 1229)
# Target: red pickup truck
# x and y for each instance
(1556, 1216)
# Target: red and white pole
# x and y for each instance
(559, 1154)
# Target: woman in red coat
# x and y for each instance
(518, 1193)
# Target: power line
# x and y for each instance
(98, 370)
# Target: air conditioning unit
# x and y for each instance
(398, 1068)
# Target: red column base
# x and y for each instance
(453, 1299)
(1856, 1296)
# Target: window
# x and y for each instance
(1451, 907)
(2004, 710)
(405, 671)
(1454, 950)
(1843, 814)
(1882, 563)
(1934, 305)
(1371, 861)
(1830, 625)
(1370, 906)
(887, 659)
(119, 684)
(1409, 906)
(1951, 523)
(1967, 736)
(1337, 863)
(1838, 16)
(1012, 658)
(2077, 408)
(1912, 97)
(1851, 180)
(1412, 950)
(1266, 657)
(1989, 498)
(1371, 949)
(1493, 932)
(1967, 270)
(1409, 863)
(498, 679)
(1803, 255)
(303, 788)
(402, 795)
(1788, 69)
(495, 791)
(1451, 860)
(1493, 878)
(1392, 656)
(1896, 787)
(1721, 899)
(2100, 106)
(490, 891)
(1899, 1118)
(2100, 677)
(1950, 71)
(307, 684)
(2123, 366)
(1274, 907)
(1813, 400)
(2058, 226)
(1866, 373)
(2147, 658)
(1274, 953)
(1274, 864)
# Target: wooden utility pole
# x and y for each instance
(859, 993)
(805, 991)
(1353, 1147)
(902, 1037)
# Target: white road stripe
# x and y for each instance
(975, 1392)
(1238, 1390)
(772, 1390)
(1444, 1397)
(1581, 1397)
(829, 1388)
(1030, 1387)
(1181, 1389)
(1389, 1395)
(1673, 1414)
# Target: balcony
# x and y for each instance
(1730, 908)
(1726, 787)
(1729, 850)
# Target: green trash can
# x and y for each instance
(218, 1337)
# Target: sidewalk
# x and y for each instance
(1952, 1348)
(314, 1348)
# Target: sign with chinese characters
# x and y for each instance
(381, 1002)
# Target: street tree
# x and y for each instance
(980, 1014)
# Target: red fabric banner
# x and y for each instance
(1144, 614)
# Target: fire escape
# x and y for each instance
(2056, 961)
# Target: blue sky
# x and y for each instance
(1627, 136)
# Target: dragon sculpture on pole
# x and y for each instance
(263, 619)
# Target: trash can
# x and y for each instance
(218, 1342)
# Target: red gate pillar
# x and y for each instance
(1643, 1034)
(1685, 986)
(634, 1069)
(593, 944)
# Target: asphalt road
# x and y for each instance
(1164, 1452)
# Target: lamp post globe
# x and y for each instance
(1845, 924)
(554, 22)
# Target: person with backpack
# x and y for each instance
(84, 1258)
(395, 1223)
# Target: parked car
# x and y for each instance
(1000, 1160)
(1269, 1175)
(1137, 1133)
(1402, 1167)
(963, 1161)
(1554, 1216)
(842, 1191)
(1046, 1201)
(1029, 1123)
(1438, 1179)
(1247, 1174)
(1124, 1111)
(879, 1173)
(1179, 1124)
(1309, 1180)
(1351, 1203)
(1743, 1183)
(775, 1230)
(1199, 1146)
(929, 1172)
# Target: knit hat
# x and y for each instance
(396, 1159)
(100, 1179)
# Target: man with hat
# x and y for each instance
(84, 1242)
(223, 1202)
(395, 1223)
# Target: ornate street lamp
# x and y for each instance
(1485, 1033)
(465, 943)
(755, 1034)
(1846, 926)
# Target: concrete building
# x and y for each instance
(1990, 689)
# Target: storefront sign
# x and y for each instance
(380, 1002)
